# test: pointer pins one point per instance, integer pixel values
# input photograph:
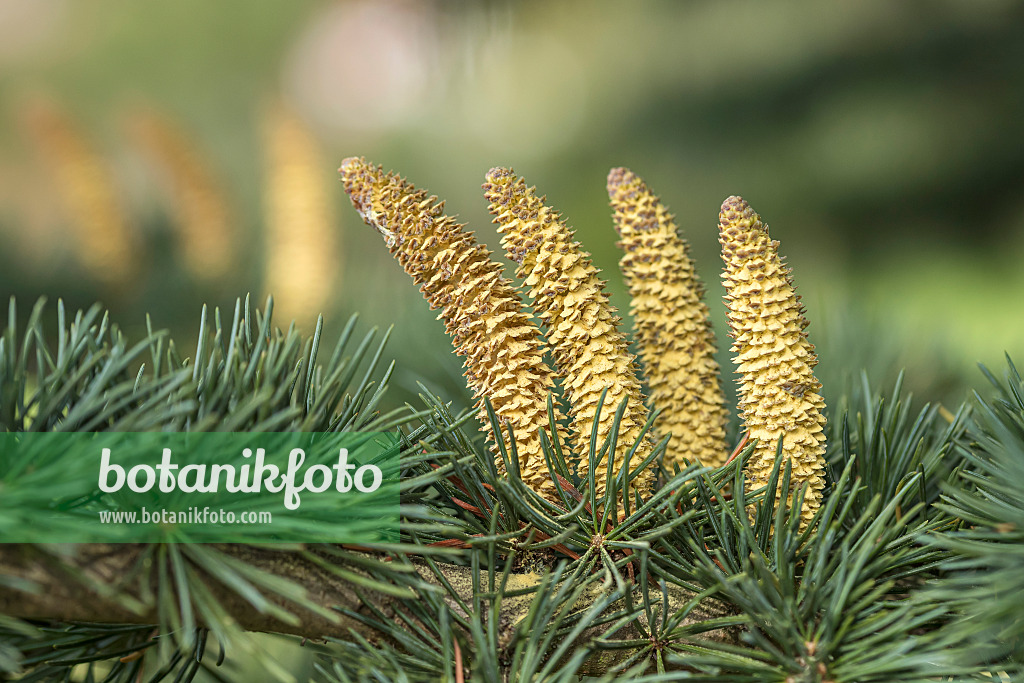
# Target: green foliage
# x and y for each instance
(909, 571)
(246, 377)
(887, 445)
(985, 580)
(827, 603)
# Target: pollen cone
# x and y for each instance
(502, 347)
(779, 393)
(677, 345)
(590, 352)
(202, 216)
(302, 252)
(105, 242)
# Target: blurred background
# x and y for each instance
(162, 155)
(156, 156)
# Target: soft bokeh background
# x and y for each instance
(156, 156)
(160, 155)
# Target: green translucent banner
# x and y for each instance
(211, 487)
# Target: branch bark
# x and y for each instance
(63, 587)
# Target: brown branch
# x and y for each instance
(60, 595)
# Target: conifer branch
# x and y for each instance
(55, 592)
(907, 570)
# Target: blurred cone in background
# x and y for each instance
(105, 242)
(202, 218)
(302, 255)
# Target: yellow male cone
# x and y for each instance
(502, 347)
(677, 344)
(590, 352)
(778, 391)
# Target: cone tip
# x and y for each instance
(736, 210)
(619, 177)
(351, 164)
(735, 204)
(499, 173)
